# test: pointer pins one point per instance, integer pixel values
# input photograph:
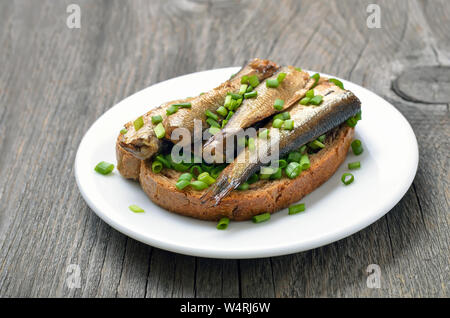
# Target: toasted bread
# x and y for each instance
(262, 196)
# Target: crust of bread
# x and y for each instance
(128, 165)
(262, 196)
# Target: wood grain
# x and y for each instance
(56, 81)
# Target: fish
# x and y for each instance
(184, 118)
(294, 87)
(143, 144)
(310, 122)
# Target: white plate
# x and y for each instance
(333, 211)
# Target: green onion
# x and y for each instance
(207, 168)
(282, 116)
(316, 145)
(180, 167)
(183, 105)
(253, 178)
(281, 77)
(138, 123)
(232, 105)
(304, 162)
(294, 156)
(199, 185)
(229, 115)
(279, 103)
(223, 223)
(195, 170)
(157, 166)
(164, 161)
(171, 110)
(213, 123)
(316, 100)
(277, 123)
(310, 93)
(297, 208)
(156, 119)
(123, 131)
(358, 115)
(136, 209)
(206, 178)
(185, 176)
(298, 69)
(351, 122)
(252, 94)
(243, 186)
(216, 171)
(302, 149)
(354, 165)
(264, 134)
(282, 163)
(181, 184)
(288, 124)
(336, 82)
(238, 102)
(227, 102)
(347, 178)
(357, 147)
(224, 122)
(222, 111)
(316, 78)
(272, 83)
(159, 130)
(243, 89)
(253, 80)
(244, 79)
(293, 170)
(266, 171)
(277, 174)
(104, 167)
(249, 88)
(251, 144)
(261, 218)
(321, 138)
(305, 101)
(235, 96)
(210, 114)
(214, 130)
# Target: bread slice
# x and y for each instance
(262, 196)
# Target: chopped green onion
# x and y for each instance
(279, 103)
(206, 178)
(243, 89)
(304, 162)
(196, 170)
(123, 131)
(305, 101)
(207, 168)
(216, 171)
(351, 122)
(180, 167)
(136, 209)
(230, 113)
(104, 167)
(157, 166)
(297, 208)
(264, 134)
(156, 119)
(243, 186)
(227, 102)
(251, 144)
(354, 165)
(261, 218)
(253, 178)
(277, 174)
(171, 110)
(164, 161)
(181, 184)
(267, 171)
(235, 96)
(347, 178)
(302, 149)
(249, 89)
(252, 94)
(336, 82)
(277, 123)
(185, 176)
(253, 80)
(298, 69)
(224, 122)
(138, 123)
(316, 145)
(294, 156)
(281, 77)
(214, 130)
(272, 83)
(321, 138)
(282, 163)
(199, 185)
(282, 116)
(316, 78)
(213, 123)
(316, 100)
(244, 79)
(357, 147)
(293, 170)
(183, 105)
(210, 114)
(288, 124)
(310, 93)
(222, 111)
(238, 102)
(223, 223)
(159, 130)
(233, 104)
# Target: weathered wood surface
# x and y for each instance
(55, 81)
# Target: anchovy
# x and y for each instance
(294, 86)
(309, 123)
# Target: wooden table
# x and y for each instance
(55, 81)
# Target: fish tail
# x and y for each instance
(219, 190)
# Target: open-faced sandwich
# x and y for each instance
(256, 144)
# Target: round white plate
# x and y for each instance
(333, 211)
